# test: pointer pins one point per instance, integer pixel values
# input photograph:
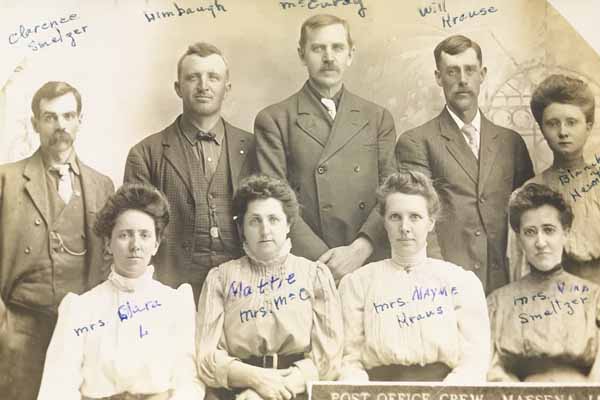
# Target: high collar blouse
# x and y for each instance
(124, 335)
(549, 316)
(395, 311)
(286, 306)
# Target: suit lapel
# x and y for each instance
(236, 151)
(307, 120)
(489, 150)
(457, 145)
(348, 122)
(36, 184)
(174, 153)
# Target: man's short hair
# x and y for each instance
(562, 89)
(51, 90)
(320, 21)
(201, 49)
(456, 44)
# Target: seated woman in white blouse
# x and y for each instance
(268, 322)
(413, 318)
(130, 337)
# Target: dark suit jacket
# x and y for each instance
(473, 229)
(334, 177)
(159, 161)
(24, 213)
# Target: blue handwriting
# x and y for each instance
(278, 303)
(321, 4)
(239, 289)
(214, 9)
(127, 311)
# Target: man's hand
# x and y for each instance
(345, 259)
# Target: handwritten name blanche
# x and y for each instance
(213, 9)
(51, 26)
(321, 4)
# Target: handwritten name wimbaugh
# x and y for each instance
(178, 11)
(51, 31)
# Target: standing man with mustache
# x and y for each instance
(333, 148)
(48, 205)
(197, 162)
(475, 165)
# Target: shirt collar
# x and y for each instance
(190, 130)
(459, 122)
(71, 160)
(336, 97)
(130, 284)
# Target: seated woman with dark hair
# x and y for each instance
(544, 326)
(411, 317)
(269, 322)
(564, 110)
(131, 336)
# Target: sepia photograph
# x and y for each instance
(299, 199)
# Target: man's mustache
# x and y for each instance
(330, 67)
(60, 136)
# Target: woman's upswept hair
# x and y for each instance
(409, 182)
(264, 187)
(133, 196)
(533, 196)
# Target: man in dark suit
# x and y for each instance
(48, 205)
(197, 161)
(475, 165)
(333, 147)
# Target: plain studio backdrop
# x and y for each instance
(122, 57)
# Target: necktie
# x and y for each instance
(472, 138)
(330, 106)
(208, 136)
(65, 187)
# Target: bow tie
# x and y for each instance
(208, 136)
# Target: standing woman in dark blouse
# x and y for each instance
(268, 322)
(545, 325)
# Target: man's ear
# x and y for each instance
(177, 88)
(351, 53)
(438, 77)
(301, 55)
(34, 123)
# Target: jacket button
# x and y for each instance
(476, 266)
(357, 168)
(37, 221)
(477, 233)
(27, 250)
(482, 199)
(362, 205)
(322, 169)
